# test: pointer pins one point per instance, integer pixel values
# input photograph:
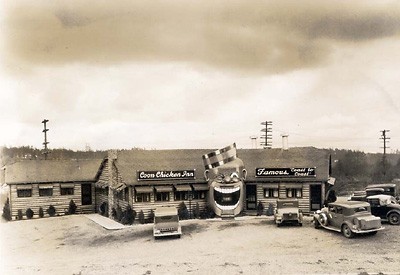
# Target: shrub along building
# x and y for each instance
(39, 184)
(146, 179)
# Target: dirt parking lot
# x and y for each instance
(252, 245)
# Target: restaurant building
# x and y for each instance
(39, 184)
(147, 179)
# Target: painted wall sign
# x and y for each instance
(166, 175)
(285, 172)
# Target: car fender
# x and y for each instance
(322, 218)
(392, 211)
(350, 225)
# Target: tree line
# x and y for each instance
(353, 170)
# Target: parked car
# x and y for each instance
(348, 217)
(385, 207)
(390, 189)
(166, 222)
(287, 211)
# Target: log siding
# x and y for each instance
(304, 201)
(60, 202)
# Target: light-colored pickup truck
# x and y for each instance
(166, 222)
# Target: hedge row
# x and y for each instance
(29, 213)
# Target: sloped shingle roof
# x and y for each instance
(129, 162)
(37, 171)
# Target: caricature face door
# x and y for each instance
(251, 197)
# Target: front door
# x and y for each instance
(251, 197)
(315, 197)
(86, 194)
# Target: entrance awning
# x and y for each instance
(120, 187)
(200, 187)
(144, 189)
(101, 184)
(166, 188)
(183, 187)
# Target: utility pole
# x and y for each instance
(385, 139)
(45, 152)
(268, 135)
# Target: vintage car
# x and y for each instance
(385, 207)
(348, 217)
(287, 211)
(166, 222)
(390, 189)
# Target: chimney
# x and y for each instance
(285, 145)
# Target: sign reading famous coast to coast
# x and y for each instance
(285, 172)
(166, 175)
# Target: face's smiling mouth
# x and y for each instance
(226, 198)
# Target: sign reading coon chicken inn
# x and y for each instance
(285, 172)
(166, 175)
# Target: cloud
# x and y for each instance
(249, 36)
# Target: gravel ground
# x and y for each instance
(253, 245)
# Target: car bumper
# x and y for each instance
(167, 233)
(359, 231)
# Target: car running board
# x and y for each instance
(330, 228)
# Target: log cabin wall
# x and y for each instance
(56, 199)
(101, 197)
(304, 200)
(146, 207)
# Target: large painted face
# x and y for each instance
(226, 185)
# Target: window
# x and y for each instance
(24, 193)
(199, 195)
(181, 195)
(294, 193)
(45, 192)
(271, 192)
(66, 191)
(142, 197)
(162, 196)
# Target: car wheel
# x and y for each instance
(347, 231)
(317, 225)
(300, 224)
(394, 218)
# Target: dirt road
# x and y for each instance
(76, 245)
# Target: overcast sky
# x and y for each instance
(199, 74)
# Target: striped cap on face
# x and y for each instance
(220, 157)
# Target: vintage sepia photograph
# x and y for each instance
(199, 137)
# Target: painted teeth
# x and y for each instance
(226, 190)
(227, 207)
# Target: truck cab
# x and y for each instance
(166, 222)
